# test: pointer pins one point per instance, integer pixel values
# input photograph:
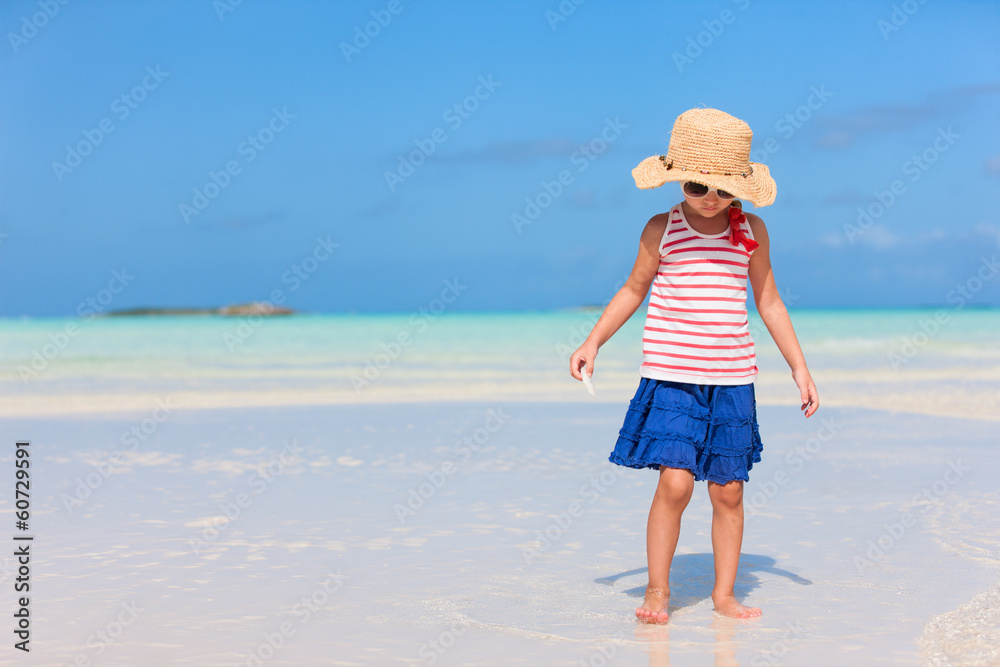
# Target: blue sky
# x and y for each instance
(161, 96)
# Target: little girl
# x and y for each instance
(694, 416)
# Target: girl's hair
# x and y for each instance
(737, 203)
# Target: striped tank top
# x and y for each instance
(696, 324)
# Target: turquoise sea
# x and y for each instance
(859, 534)
(328, 348)
(935, 361)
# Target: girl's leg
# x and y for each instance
(727, 540)
(673, 491)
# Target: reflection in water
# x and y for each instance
(691, 581)
(725, 652)
(656, 640)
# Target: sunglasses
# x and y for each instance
(697, 190)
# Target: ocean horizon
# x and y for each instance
(125, 312)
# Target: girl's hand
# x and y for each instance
(810, 397)
(584, 356)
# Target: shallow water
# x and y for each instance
(858, 358)
(415, 526)
(394, 532)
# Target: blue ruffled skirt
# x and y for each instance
(710, 430)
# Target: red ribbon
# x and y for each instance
(736, 233)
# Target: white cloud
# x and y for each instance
(843, 131)
(832, 240)
(879, 236)
(988, 229)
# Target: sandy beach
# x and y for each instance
(389, 537)
(486, 526)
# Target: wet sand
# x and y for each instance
(463, 533)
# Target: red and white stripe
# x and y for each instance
(696, 324)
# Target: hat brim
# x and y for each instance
(758, 187)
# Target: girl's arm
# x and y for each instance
(772, 311)
(628, 298)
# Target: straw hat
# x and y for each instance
(711, 147)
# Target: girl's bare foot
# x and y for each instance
(728, 605)
(654, 609)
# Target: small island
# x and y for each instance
(238, 310)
